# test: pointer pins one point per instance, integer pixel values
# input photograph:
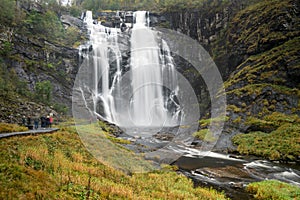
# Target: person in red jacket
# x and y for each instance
(51, 121)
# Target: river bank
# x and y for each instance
(230, 173)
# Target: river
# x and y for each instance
(225, 172)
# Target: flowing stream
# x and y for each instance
(231, 173)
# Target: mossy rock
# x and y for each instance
(275, 137)
(265, 25)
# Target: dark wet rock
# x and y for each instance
(31, 6)
(68, 20)
(58, 64)
(86, 48)
(164, 136)
(224, 143)
(112, 128)
(228, 172)
(238, 185)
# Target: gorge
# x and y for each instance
(133, 78)
(191, 160)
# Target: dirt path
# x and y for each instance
(30, 132)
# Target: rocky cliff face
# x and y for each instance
(35, 59)
(267, 80)
(38, 60)
(256, 48)
(208, 25)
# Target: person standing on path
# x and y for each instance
(24, 120)
(36, 123)
(50, 120)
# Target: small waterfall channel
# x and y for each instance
(144, 95)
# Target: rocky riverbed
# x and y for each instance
(226, 172)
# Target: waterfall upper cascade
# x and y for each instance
(65, 2)
(144, 95)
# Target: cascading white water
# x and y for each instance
(102, 40)
(147, 78)
(65, 2)
(153, 86)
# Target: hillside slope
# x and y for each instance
(255, 45)
(38, 59)
(58, 166)
(263, 93)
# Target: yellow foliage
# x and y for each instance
(8, 128)
(57, 166)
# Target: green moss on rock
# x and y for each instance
(281, 143)
(273, 189)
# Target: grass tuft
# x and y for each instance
(8, 128)
(281, 143)
(273, 190)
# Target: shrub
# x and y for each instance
(45, 25)
(43, 91)
(205, 135)
(273, 190)
(8, 128)
(282, 143)
(7, 13)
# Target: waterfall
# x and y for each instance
(103, 41)
(152, 86)
(148, 106)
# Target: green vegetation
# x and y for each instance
(261, 124)
(205, 122)
(45, 25)
(48, 26)
(42, 23)
(10, 83)
(109, 134)
(268, 67)
(205, 135)
(8, 128)
(282, 143)
(60, 108)
(259, 31)
(96, 5)
(6, 48)
(259, 78)
(234, 108)
(271, 69)
(273, 190)
(43, 91)
(57, 166)
(40, 26)
(7, 13)
(73, 37)
(153, 5)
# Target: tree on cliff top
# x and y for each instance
(7, 13)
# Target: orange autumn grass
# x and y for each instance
(57, 166)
